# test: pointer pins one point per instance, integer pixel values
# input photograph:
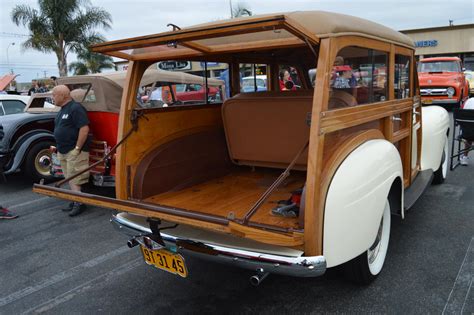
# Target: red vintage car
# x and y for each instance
(442, 81)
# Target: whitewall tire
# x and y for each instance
(442, 172)
(367, 266)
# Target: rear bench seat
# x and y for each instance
(268, 128)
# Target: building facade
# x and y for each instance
(448, 41)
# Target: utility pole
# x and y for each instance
(8, 46)
(231, 12)
(44, 71)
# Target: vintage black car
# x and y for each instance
(25, 139)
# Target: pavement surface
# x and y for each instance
(51, 263)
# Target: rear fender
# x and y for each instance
(435, 128)
(356, 198)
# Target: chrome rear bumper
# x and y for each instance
(298, 266)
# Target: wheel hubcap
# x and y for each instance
(375, 248)
(43, 162)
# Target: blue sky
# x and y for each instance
(135, 18)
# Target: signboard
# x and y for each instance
(209, 64)
(426, 43)
(174, 65)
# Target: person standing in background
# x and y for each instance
(464, 159)
(71, 130)
(34, 87)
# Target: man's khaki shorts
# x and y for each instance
(73, 163)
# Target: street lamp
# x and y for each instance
(8, 61)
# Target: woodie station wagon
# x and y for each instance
(289, 180)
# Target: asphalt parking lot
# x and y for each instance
(51, 263)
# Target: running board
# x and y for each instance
(416, 189)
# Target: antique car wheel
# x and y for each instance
(442, 171)
(38, 161)
(365, 268)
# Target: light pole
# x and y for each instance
(8, 61)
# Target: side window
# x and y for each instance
(402, 77)
(359, 76)
(82, 93)
(253, 78)
(288, 78)
(178, 83)
(13, 107)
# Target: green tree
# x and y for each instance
(240, 10)
(89, 62)
(61, 26)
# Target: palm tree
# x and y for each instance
(61, 26)
(239, 10)
(90, 62)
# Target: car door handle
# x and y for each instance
(396, 119)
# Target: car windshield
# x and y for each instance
(439, 66)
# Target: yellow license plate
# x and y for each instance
(427, 101)
(165, 260)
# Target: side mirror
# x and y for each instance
(289, 85)
(463, 69)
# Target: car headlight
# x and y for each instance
(451, 91)
(468, 76)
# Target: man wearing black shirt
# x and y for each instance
(71, 129)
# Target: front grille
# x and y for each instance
(435, 91)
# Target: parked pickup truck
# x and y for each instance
(442, 81)
(289, 182)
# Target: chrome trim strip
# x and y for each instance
(435, 101)
(311, 266)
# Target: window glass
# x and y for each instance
(288, 78)
(13, 106)
(253, 77)
(359, 76)
(82, 93)
(439, 66)
(402, 77)
(182, 83)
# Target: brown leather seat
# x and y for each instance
(268, 128)
(341, 99)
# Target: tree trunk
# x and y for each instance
(62, 66)
(61, 55)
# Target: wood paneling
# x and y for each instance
(234, 194)
(291, 239)
(313, 212)
(349, 117)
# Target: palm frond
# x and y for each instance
(23, 14)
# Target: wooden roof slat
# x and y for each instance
(227, 29)
(187, 37)
(298, 30)
(196, 46)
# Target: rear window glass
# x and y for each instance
(183, 83)
(359, 76)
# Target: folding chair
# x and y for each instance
(463, 133)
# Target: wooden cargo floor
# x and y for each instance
(237, 193)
